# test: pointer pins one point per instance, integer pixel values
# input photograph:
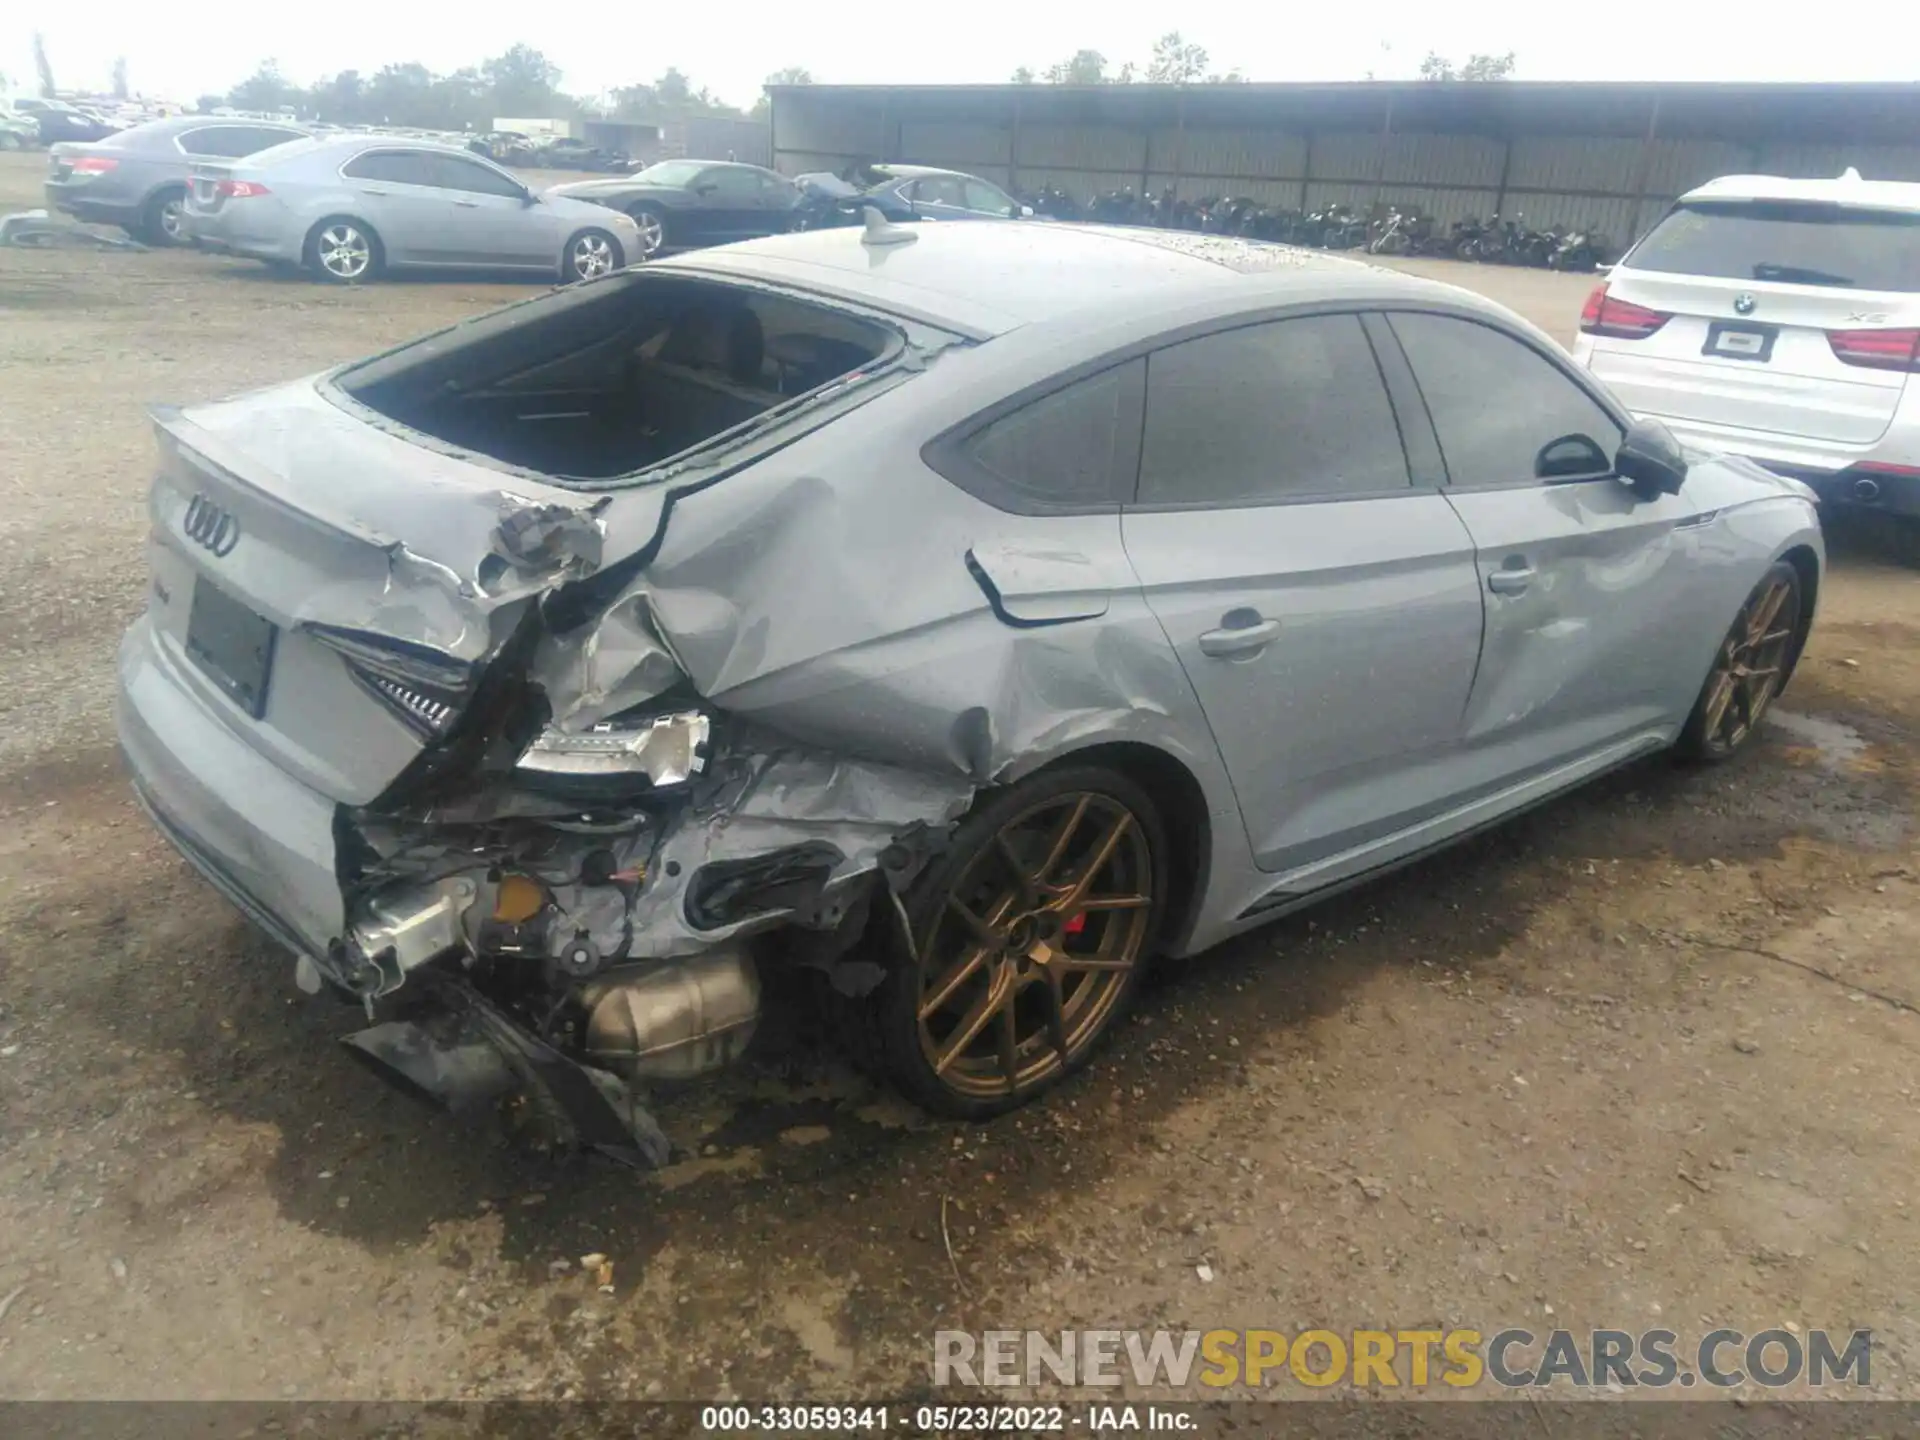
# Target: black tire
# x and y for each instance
(1067, 973)
(160, 218)
(652, 221)
(1750, 669)
(589, 254)
(315, 254)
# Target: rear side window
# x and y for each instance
(1503, 412)
(1797, 243)
(233, 141)
(1269, 412)
(1072, 448)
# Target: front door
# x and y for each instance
(1326, 610)
(490, 220)
(1585, 582)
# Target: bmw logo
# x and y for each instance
(1743, 303)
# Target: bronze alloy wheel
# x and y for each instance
(1750, 668)
(1030, 935)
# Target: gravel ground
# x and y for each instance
(1639, 1058)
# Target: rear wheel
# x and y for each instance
(161, 221)
(1030, 936)
(344, 251)
(1749, 669)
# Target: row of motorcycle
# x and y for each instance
(1385, 230)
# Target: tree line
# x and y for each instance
(1178, 61)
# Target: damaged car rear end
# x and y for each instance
(401, 691)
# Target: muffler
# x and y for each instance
(1866, 490)
(675, 1019)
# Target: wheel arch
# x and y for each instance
(1804, 561)
(1184, 815)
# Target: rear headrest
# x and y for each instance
(713, 337)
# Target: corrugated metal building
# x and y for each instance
(1606, 156)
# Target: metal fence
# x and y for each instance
(1600, 156)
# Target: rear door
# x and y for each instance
(1324, 606)
(729, 196)
(1588, 588)
(1779, 317)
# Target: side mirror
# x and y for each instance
(707, 189)
(1651, 461)
(527, 197)
(1569, 458)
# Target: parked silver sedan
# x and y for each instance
(954, 616)
(348, 207)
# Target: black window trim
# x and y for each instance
(1554, 357)
(945, 453)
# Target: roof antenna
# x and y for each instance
(881, 231)
(1851, 174)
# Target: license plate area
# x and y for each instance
(1730, 340)
(232, 646)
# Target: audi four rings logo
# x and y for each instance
(210, 527)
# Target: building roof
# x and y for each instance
(990, 277)
(1879, 112)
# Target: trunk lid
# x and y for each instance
(333, 591)
(1754, 291)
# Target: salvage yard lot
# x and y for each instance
(1638, 1059)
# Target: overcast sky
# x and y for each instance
(189, 47)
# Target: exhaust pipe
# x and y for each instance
(1866, 490)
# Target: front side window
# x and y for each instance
(1503, 412)
(1068, 448)
(394, 167)
(731, 184)
(454, 173)
(940, 190)
(986, 200)
(1278, 411)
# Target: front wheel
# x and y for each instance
(1749, 669)
(590, 254)
(1030, 933)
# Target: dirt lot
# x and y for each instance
(1647, 1056)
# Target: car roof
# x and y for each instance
(1847, 189)
(988, 279)
(917, 172)
(351, 142)
(169, 125)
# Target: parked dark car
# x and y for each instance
(59, 121)
(570, 154)
(504, 147)
(137, 179)
(828, 200)
(682, 204)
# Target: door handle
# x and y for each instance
(467, 204)
(370, 191)
(1238, 639)
(1510, 581)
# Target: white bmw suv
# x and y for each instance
(1778, 319)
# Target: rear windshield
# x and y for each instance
(1796, 242)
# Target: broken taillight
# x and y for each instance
(1619, 319)
(239, 189)
(1877, 349)
(424, 687)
